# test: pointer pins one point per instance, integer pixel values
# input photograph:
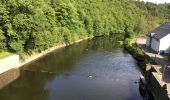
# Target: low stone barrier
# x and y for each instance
(8, 77)
(155, 84)
(8, 63)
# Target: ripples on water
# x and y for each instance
(97, 69)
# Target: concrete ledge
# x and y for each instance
(157, 68)
(158, 79)
(155, 83)
(8, 77)
(8, 63)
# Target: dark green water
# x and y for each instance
(64, 74)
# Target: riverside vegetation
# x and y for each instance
(28, 26)
(137, 52)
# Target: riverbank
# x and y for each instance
(156, 77)
(96, 65)
(9, 75)
(159, 59)
(30, 58)
(138, 54)
(35, 56)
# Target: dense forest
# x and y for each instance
(34, 25)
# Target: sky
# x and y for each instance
(157, 1)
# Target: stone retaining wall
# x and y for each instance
(8, 63)
(8, 77)
(158, 88)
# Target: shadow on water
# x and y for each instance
(97, 69)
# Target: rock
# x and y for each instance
(90, 76)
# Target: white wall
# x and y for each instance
(155, 44)
(147, 41)
(8, 63)
(165, 43)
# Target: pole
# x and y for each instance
(169, 54)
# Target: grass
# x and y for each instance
(4, 54)
(137, 53)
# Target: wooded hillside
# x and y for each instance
(35, 25)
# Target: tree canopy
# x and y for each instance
(35, 25)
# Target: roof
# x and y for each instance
(162, 31)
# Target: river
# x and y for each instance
(96, 69)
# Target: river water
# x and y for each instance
(97, 69)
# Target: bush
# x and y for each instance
(4, 54)
(38, 25)
(17, 47)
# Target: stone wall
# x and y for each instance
(8, 63)
(8, 77)
(155, 84)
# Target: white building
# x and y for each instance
(159, 39)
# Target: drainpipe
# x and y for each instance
(155, 58)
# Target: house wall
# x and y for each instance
(147, 41)
(155, 44)
(165, 43)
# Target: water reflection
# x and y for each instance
(64, 74)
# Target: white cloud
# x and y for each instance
(157, 1)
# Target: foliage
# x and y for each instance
(4, 54)
(35, 25)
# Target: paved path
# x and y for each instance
(159, 59)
